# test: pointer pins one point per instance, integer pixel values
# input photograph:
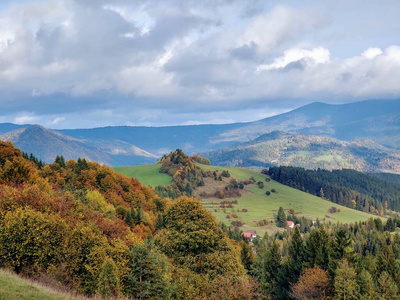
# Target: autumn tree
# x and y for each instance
(313, 284)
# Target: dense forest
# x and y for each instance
(80, 226)
(346, 187)
(84, 227)
(357, 261)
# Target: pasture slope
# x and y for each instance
(13, 287)
(259, 206)
(146, 174)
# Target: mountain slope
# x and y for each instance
(47, 144)
(375, 119)
(310, 152)
(7, 127)
(379, 120)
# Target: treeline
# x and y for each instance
(357, 261)
(346, 187)
(82, 225)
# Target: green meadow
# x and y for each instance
(146, 174)
(259, 206)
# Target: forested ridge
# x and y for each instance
(346, 187)
(88, 229)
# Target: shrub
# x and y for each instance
(225, 174)
(267, 193)
(237, 223)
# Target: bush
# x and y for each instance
(237, 223)
(274, 191)
(260, 184)
(225, 174)
(267, 193)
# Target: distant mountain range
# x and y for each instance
(46, 144)
(307, 151)
(377, 120)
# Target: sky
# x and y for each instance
(92, 63)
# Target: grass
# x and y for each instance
(259, 206)
(146, 174)
(13, 287)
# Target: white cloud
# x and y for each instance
(58, 120)
(371, 53)
(318, 55)
(25, 119)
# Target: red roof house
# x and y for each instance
(290, 224)
(249, 234)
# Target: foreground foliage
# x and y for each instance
(82, 225)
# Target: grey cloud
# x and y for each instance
(198, 58)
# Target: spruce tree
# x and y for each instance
(387, 287)
(346, 286)
(148, 277)
(266, 270)
(316, 252)
(108, 282)
(281, 218)
(366, 283)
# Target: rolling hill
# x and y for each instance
(254, 200)
(310, 152)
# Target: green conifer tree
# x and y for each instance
(346, 286)
(108, 282)
(281, 218)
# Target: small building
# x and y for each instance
(290, 224)
(249, 234)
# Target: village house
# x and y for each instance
(290, 224)
(249, 234)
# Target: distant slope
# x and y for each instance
(13, 287)
(253, 199)
(46, 144)
(146, 174)
(377, 119)
(260, 206)
(310, 152)
(7, 127)
(161, 140)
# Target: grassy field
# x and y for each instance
(146, 174)
(259, 206)
(13, 287)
